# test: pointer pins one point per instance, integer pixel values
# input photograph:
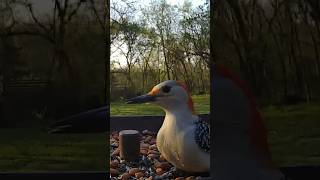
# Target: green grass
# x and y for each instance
(293, 131)
(201, 105)
(23, 150)
(294, 134)
(294, 138)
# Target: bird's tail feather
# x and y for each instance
(91, 121)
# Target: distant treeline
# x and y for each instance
(158, 42)
(65, 49)
(274, 45)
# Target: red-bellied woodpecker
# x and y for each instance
(240, 149)
(240, 138)
(183, 139)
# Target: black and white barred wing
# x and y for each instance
(202, 135)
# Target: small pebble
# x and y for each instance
(115, 152)
(179, 178)
(153, 141)
(125, 176)
(145, 131)
(114, 145)
(163, 165)
(114, 164)
(153, 152)
(116, 137)
(153, 156)
(133, 171)
(144, 145)
(143, 151)
(190, 178)
(159, 171)
(153, 147)
(148, 139)
(114, 172)
(139, 175)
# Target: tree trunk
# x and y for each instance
(166, 63)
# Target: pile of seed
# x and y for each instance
(151, 165)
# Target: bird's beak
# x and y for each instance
(142, 99)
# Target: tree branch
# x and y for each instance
(28, 33)
(97, 14)
(75, 10)
(29, 6)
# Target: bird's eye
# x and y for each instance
(166, 89)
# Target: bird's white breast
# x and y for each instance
(176, 143)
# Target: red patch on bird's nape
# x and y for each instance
(190, 102)
(258, 131)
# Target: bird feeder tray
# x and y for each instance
(153, 123)
(140, 123)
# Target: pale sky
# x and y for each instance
(194, 2)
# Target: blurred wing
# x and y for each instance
(92, 121)
(202, 135)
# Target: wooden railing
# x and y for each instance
(152, 123)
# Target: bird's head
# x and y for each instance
(234, 102)
(169, 95)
